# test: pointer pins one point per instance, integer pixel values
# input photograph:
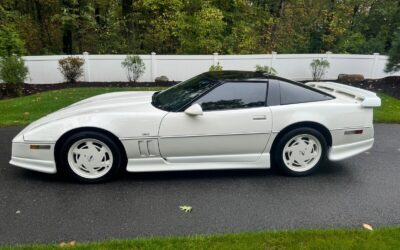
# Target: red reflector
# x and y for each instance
(353, 132)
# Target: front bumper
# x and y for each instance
(41, 160)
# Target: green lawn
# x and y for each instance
(385, 238)
(23, 110)
(389, 112)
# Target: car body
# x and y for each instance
(216, 120)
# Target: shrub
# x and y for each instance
(13, 72)
(265, 68)
(161, 79)
(319, 68)
(134, 67)
(216, 67)
(71, 67)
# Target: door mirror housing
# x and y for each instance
(194, 110)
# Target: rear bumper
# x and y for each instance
(341, 152)
(41, 160)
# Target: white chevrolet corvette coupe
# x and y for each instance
(216, 120)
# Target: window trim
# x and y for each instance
(266, 81)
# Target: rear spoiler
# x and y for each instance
(367, 98)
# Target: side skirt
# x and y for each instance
(156, 164)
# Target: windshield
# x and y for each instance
(178, 96)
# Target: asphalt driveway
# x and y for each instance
(36, 207)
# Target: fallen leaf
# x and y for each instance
(26, 113)
(186, 209)
(368, 227)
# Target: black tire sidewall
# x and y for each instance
(62, 157)
(278, 151)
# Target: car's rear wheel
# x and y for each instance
(90, 157)
(300, 151)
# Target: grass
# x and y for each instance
(384, 238)
(389, 112)
(23, 110)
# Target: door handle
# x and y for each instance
(259, 117)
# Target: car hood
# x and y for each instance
(128, 101)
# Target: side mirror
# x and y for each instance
(194, 110)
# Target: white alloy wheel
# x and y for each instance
(90, 158)
(302, 152)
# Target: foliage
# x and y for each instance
(13, 72)
(203, 32)
(71, 68)
(319, 68)
(134, 67)
(10, 42)
(265, 68)
(202, 27)
(216, 67)
(393, 64)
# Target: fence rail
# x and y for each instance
(107, 68)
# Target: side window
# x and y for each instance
(235, 95)
(292, 93)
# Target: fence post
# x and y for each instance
(273, 59)
(328, 58)
(86, 67)
(374, 65)
(153, 69)
(215, 58)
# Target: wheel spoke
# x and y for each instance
(90, 158)
(302, 152)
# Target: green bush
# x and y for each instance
(134, 67)
(216, 67)
(71, 67)
(319, 68)
(10, 42)
(265, 68)
(13, 72)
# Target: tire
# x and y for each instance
(300, 152)
(89, 157)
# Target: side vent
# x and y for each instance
(148, 148)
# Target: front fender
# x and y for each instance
(121, 125)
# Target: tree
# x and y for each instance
(393, 64)
(202, 33)
(10, 42)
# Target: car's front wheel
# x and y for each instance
(89, 157)
(300, 151)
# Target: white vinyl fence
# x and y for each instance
(107, 68)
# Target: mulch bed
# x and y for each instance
(389, 85)
(30, 89)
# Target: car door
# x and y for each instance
(235, 126)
